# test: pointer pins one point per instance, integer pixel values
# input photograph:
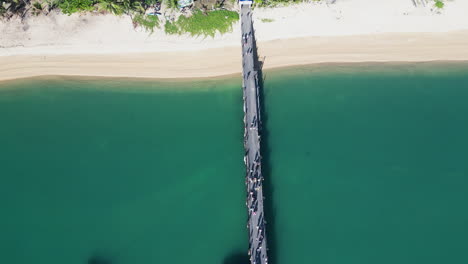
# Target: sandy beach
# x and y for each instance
(347, 31)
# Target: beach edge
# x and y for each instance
(226, 61)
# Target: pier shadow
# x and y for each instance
(268, 190)
(97, 258)
(236, 258)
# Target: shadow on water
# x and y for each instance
(236, 258)
(99, 259)
(269, 208)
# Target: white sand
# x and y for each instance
(349, 30)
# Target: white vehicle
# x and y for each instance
(245, 2)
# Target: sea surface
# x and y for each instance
(363, 164)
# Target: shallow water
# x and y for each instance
(363, 163)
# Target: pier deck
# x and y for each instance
(252, 159)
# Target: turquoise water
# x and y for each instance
(130, 176)
(364, 164)
(369, 165)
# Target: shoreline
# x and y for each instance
(280, 53)
(386, 67)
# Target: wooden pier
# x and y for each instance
(252, 124)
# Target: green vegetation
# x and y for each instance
(116, 7)
(267, 20)
(172, 4)
(170, 28)
(72, 6)
(202, 22)
(113, 7)
(9, 8)
(439, 4)
(273, 3)
(206, 24)
(37, 8)
(2, 10)
(146, 22)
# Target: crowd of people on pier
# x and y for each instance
(252, 159)
(254, 179)
(256, 222)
